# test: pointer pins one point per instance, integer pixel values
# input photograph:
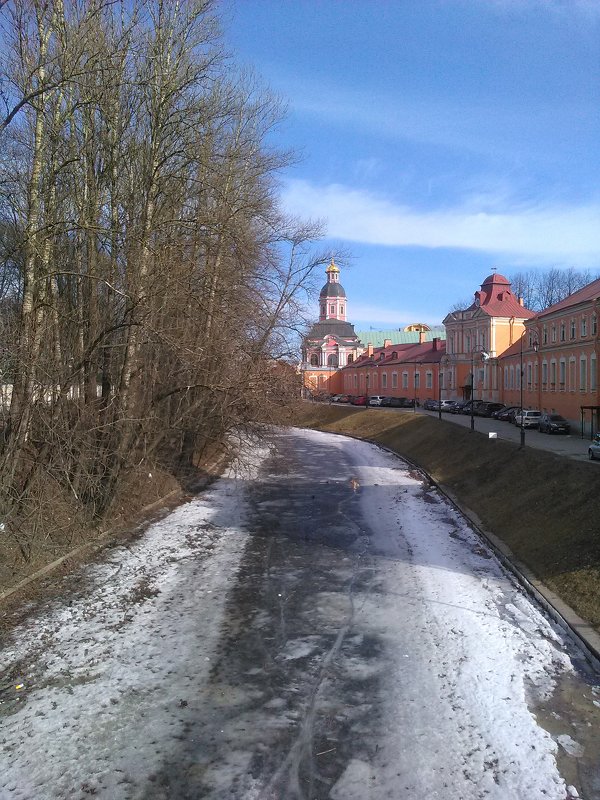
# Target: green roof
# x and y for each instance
(377, 338)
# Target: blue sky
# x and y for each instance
(439, 138)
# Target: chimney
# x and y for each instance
(387, 342)
(435, 343)
(370, 349)
(521, 301)
(422, 337)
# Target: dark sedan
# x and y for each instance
(507, 414)
(554, 423)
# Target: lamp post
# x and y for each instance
(536, 345)
(440, 376)
(484, 356)
(440, 390)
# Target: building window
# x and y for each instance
(545, 335)
(442, 381)
(511, 378)
(594, 325)
(428, 380)
(593, 373)
(314, 360)
(572, 384)
(554, 333)
(584, 326)
(323, 310)
(394, 380)
(384, 380)
(544, 372)
(417, 380)
(562, 375)
(506, 377)
(553, 375)
(583, 374)
(350, 358)
(572, 329)
(332, 360)
(355, 381)
(405, 380)
(562, 332)
(529, 376)
(331, 308)
(394, 355)
(341, 309)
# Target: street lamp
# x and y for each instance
(443, 361)
(536, 345)
(484, 357)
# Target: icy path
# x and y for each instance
(327, 627)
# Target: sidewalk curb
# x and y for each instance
(582, 633)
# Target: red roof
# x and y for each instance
(405, 353)
(497, 300)
(589, 292)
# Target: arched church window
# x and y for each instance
(341, 309)
(323, 309)
(314, 360)
(350, 358)
(332, 360)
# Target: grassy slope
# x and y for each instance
(545, 507)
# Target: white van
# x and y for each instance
(375, 399)
(530, 418)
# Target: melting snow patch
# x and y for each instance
(354, 782)
(570, 746)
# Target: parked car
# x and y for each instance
(407, 402)
(447, 405)
(359, 400)
(343, 398)
(375, 399)
(594, 448)
(471, 404)
(397, 402)
(554, 423)
(530, 418)
(488, 409)
(505, 412)
(386, 401)
(431, 405)
(456, 406)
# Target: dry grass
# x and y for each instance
(545, 507)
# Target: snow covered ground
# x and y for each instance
(324, 625)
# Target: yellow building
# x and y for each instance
(477, 336)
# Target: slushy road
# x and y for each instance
(321, 624)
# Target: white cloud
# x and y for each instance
(537, 233)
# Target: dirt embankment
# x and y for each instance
(545, 507)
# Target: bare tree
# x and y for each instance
(150, 288)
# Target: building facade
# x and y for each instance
(496, 349)
(412, 370)
(477, 336)
(556, 369)
(332, 342)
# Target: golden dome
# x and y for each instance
(332, 267)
